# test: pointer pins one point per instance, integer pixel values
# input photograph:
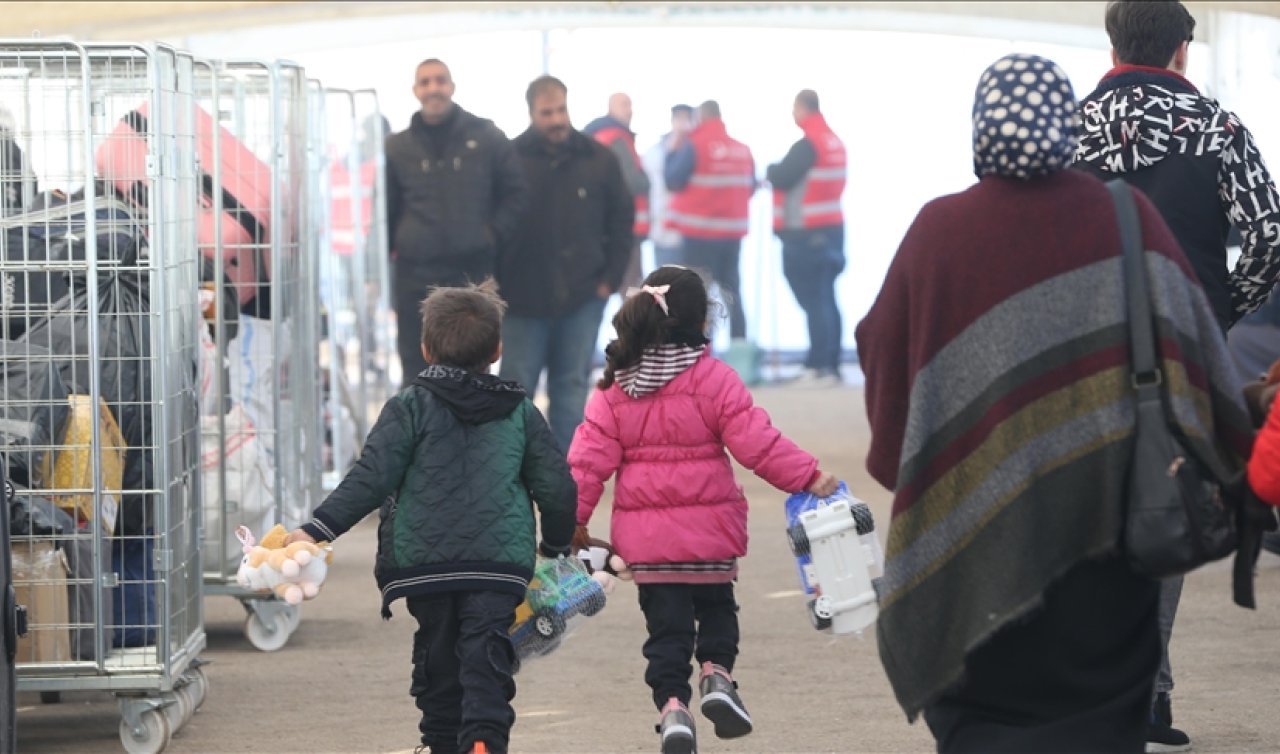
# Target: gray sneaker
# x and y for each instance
(721, 703)
(676, 729)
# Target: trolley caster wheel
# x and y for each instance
(151, 736)
(548, 624)
(50, 697)
(178, 709)
(267, 638)
(820, 622)
(198, 685)
(294, 614)
(188, 695)
(799, 540)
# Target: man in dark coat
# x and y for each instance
(568, 257)
(454, 195)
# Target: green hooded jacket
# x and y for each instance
(456, 462)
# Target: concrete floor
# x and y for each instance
(341, 683)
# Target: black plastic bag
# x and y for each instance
(124, 350)
(34, 411)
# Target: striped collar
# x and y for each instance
(658, 366)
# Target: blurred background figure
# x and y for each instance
(568, 256)
(454, 195)
(614, 131)
(713, 176)
(809, 220)
(666, 241)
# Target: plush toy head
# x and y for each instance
(294, 572)
(604, 564)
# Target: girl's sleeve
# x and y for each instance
(1264, 464)
(751, 438)
(595, 454)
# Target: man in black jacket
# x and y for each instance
(1198, 164)
(568, 257)
(455, 192)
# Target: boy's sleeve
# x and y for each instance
(377, 474)
(595, 454)
(749, 435)
(545, 474)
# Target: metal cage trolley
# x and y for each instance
(260, 392)
(350, 303)
(98, 369)
(372, 180)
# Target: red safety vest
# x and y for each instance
(814, 202)
(716, 203)
(607, 136)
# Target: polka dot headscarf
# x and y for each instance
(1025, 118)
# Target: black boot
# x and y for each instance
(1161, 735)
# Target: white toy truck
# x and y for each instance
(835, 542)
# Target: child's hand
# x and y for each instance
(825, 485)
(298, 535)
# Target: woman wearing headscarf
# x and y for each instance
(998, 391)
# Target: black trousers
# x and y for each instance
(407, 295)
(1075, 677)
(719, 258)
(462, 660)
(686, 621)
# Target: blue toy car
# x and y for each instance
(560, 589)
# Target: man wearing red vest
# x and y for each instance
(614, 131)
(712, 177)
(807, 216)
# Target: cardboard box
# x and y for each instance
(40, 581)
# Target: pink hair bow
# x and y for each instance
(659, 294)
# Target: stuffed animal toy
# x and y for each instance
(293, 572)
(603, 563)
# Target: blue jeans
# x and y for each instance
(811, 262)
(563, 346)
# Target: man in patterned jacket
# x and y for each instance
(1198, 163)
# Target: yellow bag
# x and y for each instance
(73, 463)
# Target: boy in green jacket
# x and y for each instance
(457, 460)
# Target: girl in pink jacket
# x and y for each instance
(664, 415)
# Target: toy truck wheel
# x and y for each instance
(862, 517)
(548, 624)
(819, 622)
(593, 604)
(799, 540)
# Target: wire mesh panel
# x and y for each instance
(99, 374)
(346, 309)
(261, 415)
(380, 338)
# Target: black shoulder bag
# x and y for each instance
(1177, 517)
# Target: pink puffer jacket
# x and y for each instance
(675, 498)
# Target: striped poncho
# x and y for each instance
(997, 388)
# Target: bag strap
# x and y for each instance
(1146, 376)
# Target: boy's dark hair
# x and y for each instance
(641, 323)
(809, 100)
(682, 108)
(1148, 32)
(462, 327)
(542, 84)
